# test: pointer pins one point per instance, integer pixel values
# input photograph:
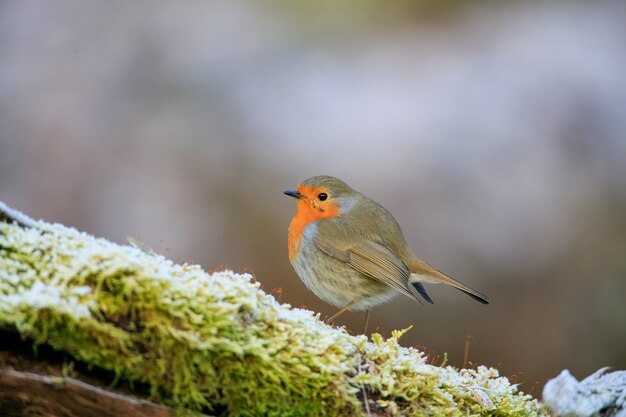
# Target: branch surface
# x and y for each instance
(214, 343)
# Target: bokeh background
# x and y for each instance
(495, 132)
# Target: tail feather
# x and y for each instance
(422, 291)
(422, 272)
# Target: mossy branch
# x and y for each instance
(216, 343)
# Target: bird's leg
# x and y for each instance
(367, 320)
(339, 313)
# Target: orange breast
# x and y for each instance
(306, 214)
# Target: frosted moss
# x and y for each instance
(216, 340)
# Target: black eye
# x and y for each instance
(322, 196)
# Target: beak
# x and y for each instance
(294, 194)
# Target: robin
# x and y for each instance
(351, 252)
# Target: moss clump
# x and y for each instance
(216, 340)
(402, 383)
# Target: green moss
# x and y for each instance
(216, 340)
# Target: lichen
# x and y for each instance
(217, 341)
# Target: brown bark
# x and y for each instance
(45, 382)
(30, 394)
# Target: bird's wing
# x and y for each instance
(370, 258)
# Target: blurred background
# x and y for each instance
(495, 132)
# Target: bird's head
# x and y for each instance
(322, 197)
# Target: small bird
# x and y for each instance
(351, 252)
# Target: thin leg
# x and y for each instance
(339, 313)
(367, 320)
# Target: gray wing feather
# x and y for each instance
(370, 258)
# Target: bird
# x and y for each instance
(351, 252)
